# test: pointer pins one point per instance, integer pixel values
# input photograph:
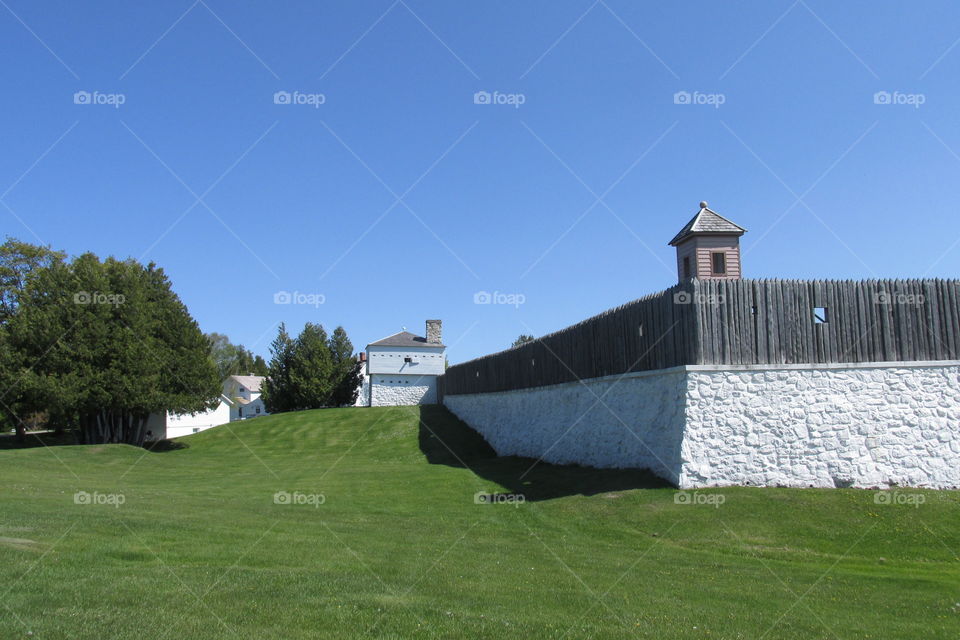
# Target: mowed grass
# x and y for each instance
(399, 549)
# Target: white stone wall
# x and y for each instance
(363, 396)
(390, 390)
(853, 425)
(859, 425)
(616, 421)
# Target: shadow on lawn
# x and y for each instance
(445, 439)
(37, 439)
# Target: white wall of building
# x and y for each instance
(424, 361)
(390, 390)
(185, 424)
(860, 425)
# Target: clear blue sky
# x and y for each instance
(493, 197)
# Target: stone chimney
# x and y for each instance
(433, 331)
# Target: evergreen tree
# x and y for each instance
(523, 338)
(18, 262)
(110, 343)
(277, 389)
(346, 375)
(348, 387)
(311, 373)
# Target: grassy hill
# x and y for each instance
(398, 548)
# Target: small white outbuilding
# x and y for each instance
(239, 400)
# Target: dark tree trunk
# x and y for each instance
(113, 427)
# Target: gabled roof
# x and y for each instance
(252, 383)
(707, 221)
(404, 339)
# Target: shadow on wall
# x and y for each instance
(445, 439)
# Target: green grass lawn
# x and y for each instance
(399, 549)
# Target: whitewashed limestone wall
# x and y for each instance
(830, 426)
(638, 421)
(390, 390)
(860, 425)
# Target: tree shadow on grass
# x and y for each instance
(445, 439)
(34, 439)
(162, 446)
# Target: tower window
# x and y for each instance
(686, 267)
(719, 263)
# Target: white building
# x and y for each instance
(402, 369)
(239, 400)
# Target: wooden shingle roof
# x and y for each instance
(707, 221)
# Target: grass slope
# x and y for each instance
(399, 549)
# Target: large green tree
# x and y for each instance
(346, 375)
(234, 359)
(312, 372)
(110, 343)
(277, 390)
(19, 261)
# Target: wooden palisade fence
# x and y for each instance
(734, 322)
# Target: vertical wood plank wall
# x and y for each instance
(734, 322)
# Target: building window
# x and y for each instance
(241, 412)
(196, 429)
(686, 267)
(719, 263)
(258, 408)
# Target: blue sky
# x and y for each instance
(399, 198)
